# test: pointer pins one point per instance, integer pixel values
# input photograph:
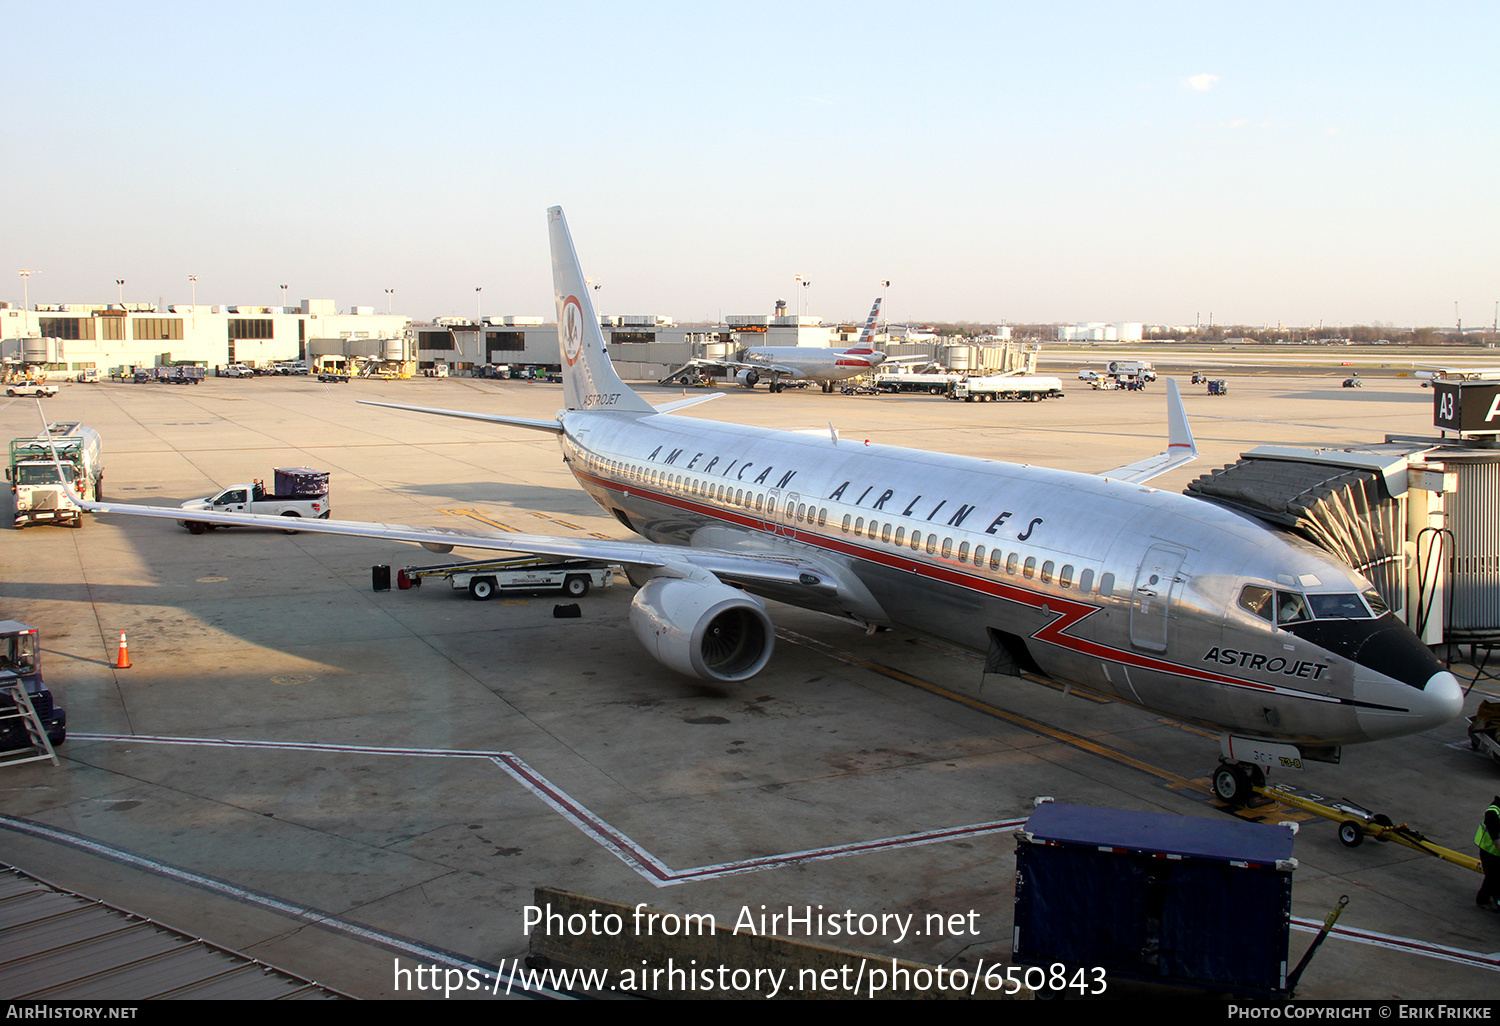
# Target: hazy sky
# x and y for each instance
(1296, 162)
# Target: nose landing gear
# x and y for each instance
(1235, 782)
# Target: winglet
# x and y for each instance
(1179, 435)
(589, 379)
(1180, 446)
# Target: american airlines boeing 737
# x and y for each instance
(778, 364)
(1157, 598)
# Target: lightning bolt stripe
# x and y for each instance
(1070, 612)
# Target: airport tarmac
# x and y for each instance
(323, 776)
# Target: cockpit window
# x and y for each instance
(1291, 607)
(1345, 606)
(1284, 607)
(1256, 600)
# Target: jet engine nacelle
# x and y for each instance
(702, 627)
(748, 377)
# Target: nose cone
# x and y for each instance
(1390, 708)
(1443, 700)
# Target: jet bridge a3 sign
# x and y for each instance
(1469, 408)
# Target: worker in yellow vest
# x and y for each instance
(1488, 840)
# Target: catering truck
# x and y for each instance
(299, 492)
(1143, 370)
(40, 497)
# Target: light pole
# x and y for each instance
(120, 283)
(388, 300)
(477, 290)
(883, 286)
(283, 299)
(25, 273)
(805, 286)
(193, 281)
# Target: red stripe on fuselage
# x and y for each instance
(1071, 611)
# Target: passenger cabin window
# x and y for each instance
(1047, 568)
(845, 525)
(1029, 570)
(1086, 581)
(1107, 585)
(1066, 577)
(1013, 562)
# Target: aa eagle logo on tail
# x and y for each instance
(572, 329)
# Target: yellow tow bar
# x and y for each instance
(1356, 822)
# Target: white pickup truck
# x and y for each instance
(300, 492)
(39, 389)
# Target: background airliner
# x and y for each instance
(797, 363)
(1156, 598)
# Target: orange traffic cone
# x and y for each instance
(123, 662)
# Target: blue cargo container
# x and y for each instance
(1155, 897)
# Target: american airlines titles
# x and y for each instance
(765, 476)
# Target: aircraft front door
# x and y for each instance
(1152, 601)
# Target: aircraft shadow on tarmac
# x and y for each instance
(1361, 395)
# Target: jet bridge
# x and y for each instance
(1415, 516)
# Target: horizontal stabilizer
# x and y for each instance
(554, 426)
(682, 404)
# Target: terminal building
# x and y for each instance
(642, 346)
(62, 340)
(114, 338)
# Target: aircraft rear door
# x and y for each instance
(1151, 602)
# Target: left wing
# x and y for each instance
(763, 570)
(1180, 446)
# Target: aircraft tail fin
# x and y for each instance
(867, 334)
(589, 379)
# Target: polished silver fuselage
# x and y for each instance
(1120, 587)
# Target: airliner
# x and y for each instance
(1160, 599)
(796, 363)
